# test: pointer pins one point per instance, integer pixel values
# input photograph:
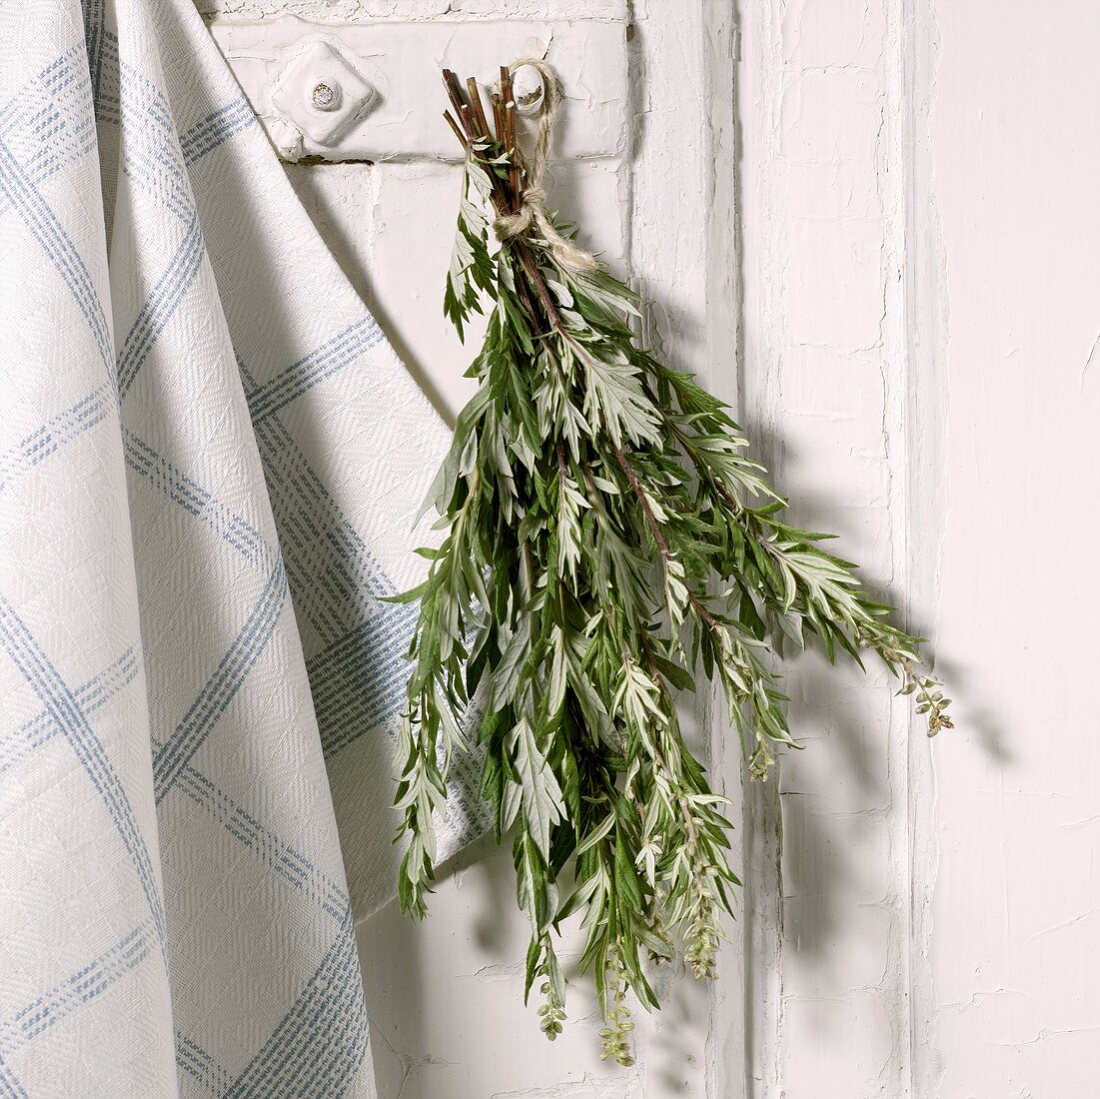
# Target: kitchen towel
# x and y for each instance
(210, 461)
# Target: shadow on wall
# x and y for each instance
(335, 227)
(829, 794)
(396, 970)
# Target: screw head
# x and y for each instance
(325, 96)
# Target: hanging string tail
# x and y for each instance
(531, 214)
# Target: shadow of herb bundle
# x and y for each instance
(607, 536)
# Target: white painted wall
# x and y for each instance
(920, 319)
(904, 304)
(1014, 965)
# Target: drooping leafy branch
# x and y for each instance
(607, 536)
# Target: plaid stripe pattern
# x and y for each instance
(209, 463)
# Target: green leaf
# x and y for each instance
(541, 797)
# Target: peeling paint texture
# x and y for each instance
(919, 331)
(872, 226)
(824, 117)
(339, 11)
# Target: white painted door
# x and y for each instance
(890, 265)
(920, 239)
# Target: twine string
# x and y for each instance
(532, 211)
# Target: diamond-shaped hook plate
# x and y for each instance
(321, 92)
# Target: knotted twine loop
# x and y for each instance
(532, 211)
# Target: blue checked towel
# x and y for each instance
(210, 459)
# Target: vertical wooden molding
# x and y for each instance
(759, 937)
(924, 414)
(681, 234)
(832, 191)
(728, 1041)
(904, 223)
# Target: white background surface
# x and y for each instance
(909, 324)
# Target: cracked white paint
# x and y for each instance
(337, 11)
(908, 325)
(920, 319)
(397, 64)
(822, 107)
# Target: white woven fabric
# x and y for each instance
(199, 424)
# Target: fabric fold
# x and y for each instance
(210, 459)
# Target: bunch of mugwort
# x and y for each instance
(607, 537)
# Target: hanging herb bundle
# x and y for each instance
(607, 536)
